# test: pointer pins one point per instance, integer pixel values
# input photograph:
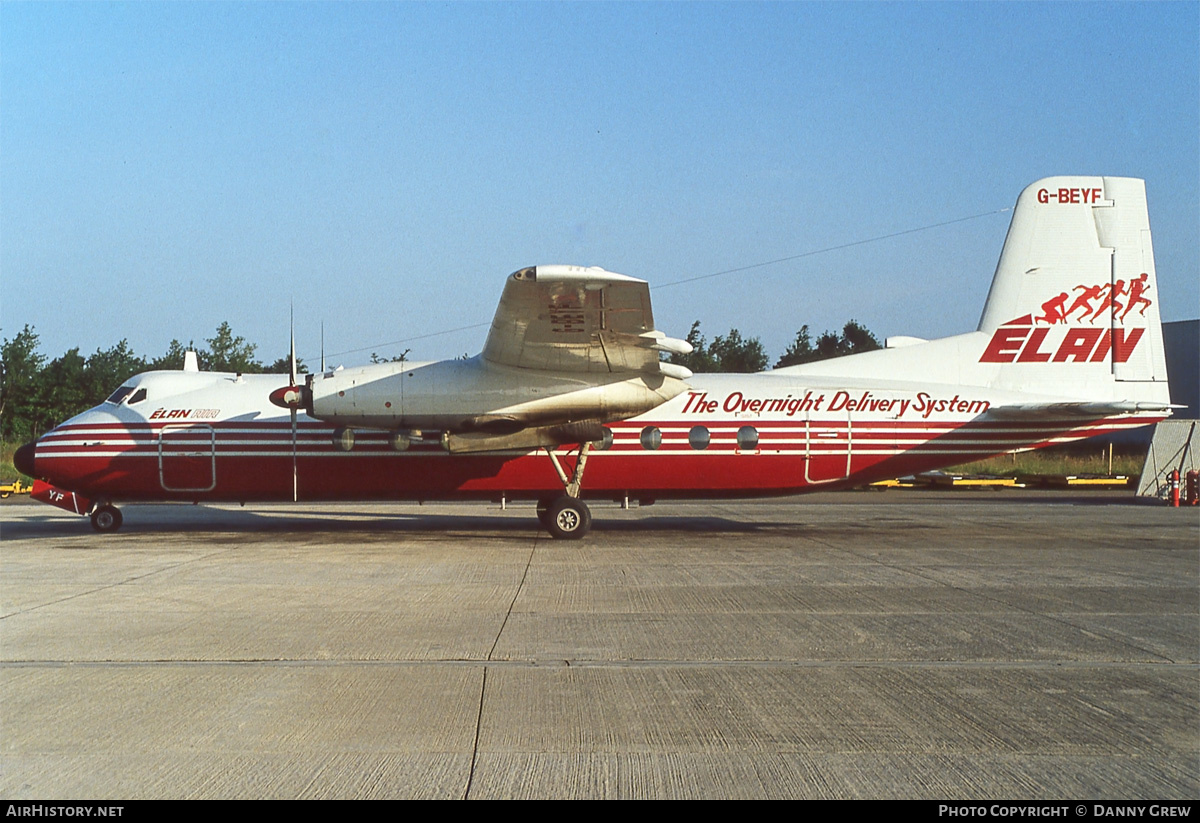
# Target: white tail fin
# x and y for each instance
(1072, 313)
(1075, 284)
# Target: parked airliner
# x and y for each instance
(570, 398)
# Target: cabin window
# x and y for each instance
(120, 394)
(747, 438)
(698, 438)
(137, 397)
(651, 438)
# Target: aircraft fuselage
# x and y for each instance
(726, 436)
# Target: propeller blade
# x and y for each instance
(295, 471)
(292, 373)
(291, 406)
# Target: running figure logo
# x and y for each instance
(1108, 295)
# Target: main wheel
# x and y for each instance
(106, 518)
(568, 518)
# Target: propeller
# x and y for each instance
(290, 397)
(295, 394)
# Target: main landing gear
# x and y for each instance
(106, 518)
(567, 517)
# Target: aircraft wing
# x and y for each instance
(581, 320)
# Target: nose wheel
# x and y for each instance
(106, 518)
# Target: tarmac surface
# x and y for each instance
(958, 645)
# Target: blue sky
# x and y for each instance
(166, 167)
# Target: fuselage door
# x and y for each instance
(187, 457)
(828, 447)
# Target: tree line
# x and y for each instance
(36, 394)
(731, 353)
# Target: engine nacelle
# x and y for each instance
(476, 396)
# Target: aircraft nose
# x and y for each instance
(23, 458)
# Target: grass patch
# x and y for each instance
(1057, 461)
(8, 472)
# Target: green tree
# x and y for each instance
(699, 360)
(229, 353)
(733, 354)
(400, 358)
(62, 391)
(284, 365)
(109, 368)
(726, 353)
(858, 339)
(20, 366)
(854, 339)
(172, 360)
(800, 351)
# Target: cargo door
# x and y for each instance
(187, 457)
(828, 445)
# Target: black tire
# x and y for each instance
(106, 519)
(568, 519)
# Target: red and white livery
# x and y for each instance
(570, 399)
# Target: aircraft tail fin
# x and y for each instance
(1072, 314)
(1076, 285)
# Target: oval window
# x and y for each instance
(651, 438)
(747, 438)
(698, 438)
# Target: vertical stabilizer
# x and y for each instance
(1076, 284)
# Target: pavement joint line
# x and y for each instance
(114, 584)
(466, 795)
(483, 680)
(562, 663)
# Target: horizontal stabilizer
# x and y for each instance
(1043, 411)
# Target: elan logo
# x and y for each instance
(1022, 342)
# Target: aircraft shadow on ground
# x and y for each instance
(343, 522)
(179, 519)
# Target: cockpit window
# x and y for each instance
(120, 394)
(128, 395)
